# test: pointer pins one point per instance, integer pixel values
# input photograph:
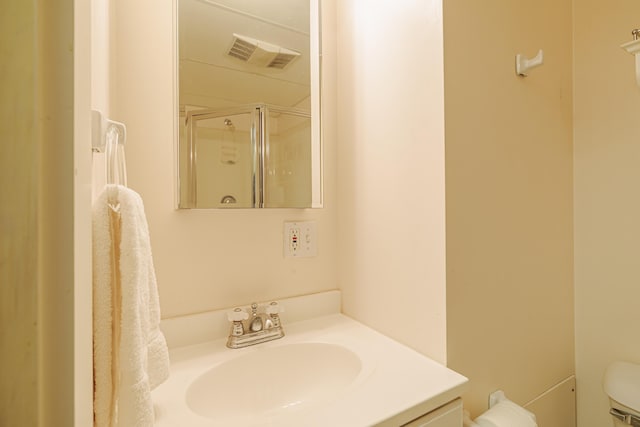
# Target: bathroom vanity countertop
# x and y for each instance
(394, 386)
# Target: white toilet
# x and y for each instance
(622, 385)
(502, 413)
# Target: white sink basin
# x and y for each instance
(273, 380)
(327, 371)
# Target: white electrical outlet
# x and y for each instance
(300, 239)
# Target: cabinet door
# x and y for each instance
(449, 415)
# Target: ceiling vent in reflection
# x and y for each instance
(261, 53)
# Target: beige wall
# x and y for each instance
(82, 307)
(103, 62)
(208, 260)
(55, 124)
(607, 207)
(391, 169)
(37, 220)
(509, 197)
(18, 222)
(556, 407)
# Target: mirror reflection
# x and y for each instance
(248, 92)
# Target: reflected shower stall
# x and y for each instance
(250, 156)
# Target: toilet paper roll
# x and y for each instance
(506, 414)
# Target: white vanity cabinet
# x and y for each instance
(449, 415)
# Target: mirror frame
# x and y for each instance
(317, 161)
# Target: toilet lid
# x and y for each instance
(622, 384)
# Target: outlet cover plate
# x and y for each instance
(300, 239)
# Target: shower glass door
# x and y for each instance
(256, 156)
(220, 161)
(287, 166)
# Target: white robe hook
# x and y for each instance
(523, 65)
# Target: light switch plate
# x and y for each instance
(300, 239)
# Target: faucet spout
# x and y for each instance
(256, 320)
(256, 324)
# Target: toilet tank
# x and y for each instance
(622, 384)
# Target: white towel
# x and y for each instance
(132, 359)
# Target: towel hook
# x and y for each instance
(523, 65)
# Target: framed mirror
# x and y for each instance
(248, 114)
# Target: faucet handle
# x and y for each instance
(237, 315)
(273, 308)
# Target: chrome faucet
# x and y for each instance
(260, 326)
